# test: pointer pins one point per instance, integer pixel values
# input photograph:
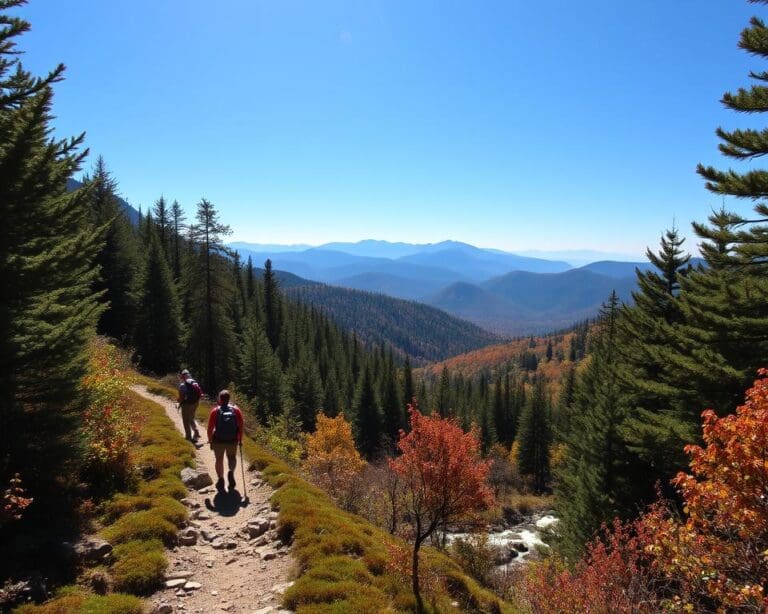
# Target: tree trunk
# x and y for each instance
(415, 571)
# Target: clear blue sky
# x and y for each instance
(510, 124)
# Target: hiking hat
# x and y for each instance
(186, 372)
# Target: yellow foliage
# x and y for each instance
(557, 455)
(332, 459)
(513, 452)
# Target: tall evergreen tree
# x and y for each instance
(272, 305)
(393, 410)
(260, 377)
(212, 348)
(118, 257)
(534, 438)
(158, 334)
(177, 227)
(164, 225)
(443, 398)
(49, 310)
(593, 486)
(728, 312)
(366, 417)
(655, 429)
(305, 392)
(409, 391)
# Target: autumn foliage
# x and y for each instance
(714, 558)
(14, 501)
(443, 475)
(332, 459)
(719, 553)
(111, 423)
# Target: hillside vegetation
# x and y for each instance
(410, 328)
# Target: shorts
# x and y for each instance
(219, 447)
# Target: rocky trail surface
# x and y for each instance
(229, 558)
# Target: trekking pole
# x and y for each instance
(242, 467)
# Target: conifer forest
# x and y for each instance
(407, 460)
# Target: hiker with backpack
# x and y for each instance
(188, 399)
(225, 433)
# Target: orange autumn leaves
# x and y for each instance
(720, 552)
(713, 558)
(441, 468)
(332, 459)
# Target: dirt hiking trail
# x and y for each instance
(229, 558)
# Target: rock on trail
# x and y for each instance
(229, 557)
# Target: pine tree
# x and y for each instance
(394, 412)
(212, 348)
(366, 413)
(534, 438)
(118, 257)
(593, 486)
(443, 399)
(562, 423)
(305, 392)
(250, 280)
(49, 311)
(260, 377)
(177, 226)
(486, 425)
(728, 310)
(158, 334)
(164, 226)
(272, 308)
(655, 429)
(409, 391)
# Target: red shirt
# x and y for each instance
(212, 422)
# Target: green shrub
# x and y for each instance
(122, 504)
(139, 566)
(144, 524)
(83, 603)
(164, 486)
(170, 509)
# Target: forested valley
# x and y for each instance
(644, 431)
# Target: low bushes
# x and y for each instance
(342, 558)
(139, 523)
(83, 602)
(143, 522)
(139, 566)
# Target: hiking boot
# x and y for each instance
(220, 485)
(231, 480)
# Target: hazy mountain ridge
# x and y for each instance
(493, 289)
(521, 303)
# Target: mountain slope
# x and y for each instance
(521, 303)
(423, 332)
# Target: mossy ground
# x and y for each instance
(139, 523)
(342, 558)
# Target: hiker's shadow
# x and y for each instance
(226, 503)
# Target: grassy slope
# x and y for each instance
(139, 523)
(342, 557)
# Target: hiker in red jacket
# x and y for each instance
(225, 433)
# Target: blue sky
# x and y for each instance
(512, 124)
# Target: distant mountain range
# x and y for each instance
(504, 293)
